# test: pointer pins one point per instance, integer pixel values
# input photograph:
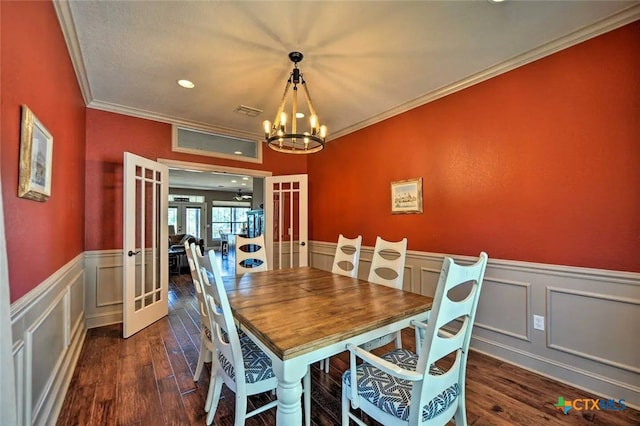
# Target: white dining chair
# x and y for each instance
(238, 362)
(387, 268)
(251, 254)
(347, 257)
(345, 262)
(206, 343)
(406, 388)
(201, 264)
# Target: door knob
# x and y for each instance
(133, 253)
(303, 243)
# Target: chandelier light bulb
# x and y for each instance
(323, 131)
(266, 124)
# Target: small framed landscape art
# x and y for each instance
(36, 155)
(406, 196)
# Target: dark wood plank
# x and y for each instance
(159, 357)
(179, 364)
(173, 410)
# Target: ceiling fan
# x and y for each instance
(240, 196)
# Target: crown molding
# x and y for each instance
(164, 118)
(617, 20)
(65, 17)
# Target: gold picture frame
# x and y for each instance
(406, 196)
(36, 158)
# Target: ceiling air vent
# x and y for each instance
(245, 110)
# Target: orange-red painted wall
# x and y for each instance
(36, 71)
(540, 164)
(109, 135)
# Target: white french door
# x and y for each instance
(188, 218)
(145, 243)
(286, 221)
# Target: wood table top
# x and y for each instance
(295, 311)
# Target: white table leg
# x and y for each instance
(289, 392)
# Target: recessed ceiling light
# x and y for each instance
(496, 1)
(186, 84)
(234, 181)
(245, 178)
(243, 184)
(299, 115)
(238, 152)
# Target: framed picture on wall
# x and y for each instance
(36, 157)
(406, 196)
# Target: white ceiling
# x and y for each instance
(364, 61)
(210, 181)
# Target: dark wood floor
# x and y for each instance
(148, 380)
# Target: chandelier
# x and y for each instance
(290, 139)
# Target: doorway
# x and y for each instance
(187, 218)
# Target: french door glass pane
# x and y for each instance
(173, 218)
(193, 221)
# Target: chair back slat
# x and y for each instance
(347, 257)
(251, 254)
(388, 257)
(192, 251)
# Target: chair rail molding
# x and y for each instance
(580, 306)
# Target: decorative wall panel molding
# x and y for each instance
(48, 329)
(591, 329)
(590, 316)
(505, 307)
(103, 290)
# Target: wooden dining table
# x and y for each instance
(302, 315)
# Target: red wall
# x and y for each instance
(109, 136)
(37, 71)
(539, 164)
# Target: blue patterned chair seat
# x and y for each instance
(392, 395)
(257, 365)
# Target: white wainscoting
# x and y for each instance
(103, 292)
(48, 330)
(592, 317)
